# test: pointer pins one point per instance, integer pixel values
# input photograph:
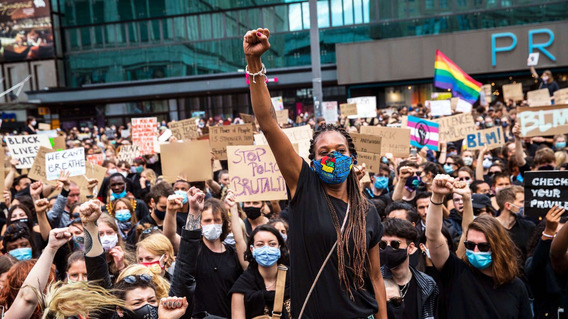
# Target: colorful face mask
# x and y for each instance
(155, 267)
(333, 168)
(480, 260)
(412, 183)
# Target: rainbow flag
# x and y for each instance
(423, 133)
(447, 75)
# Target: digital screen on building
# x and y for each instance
(25, 30)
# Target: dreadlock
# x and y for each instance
(356, 227)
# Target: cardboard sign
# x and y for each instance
(217, 166)
(372, 161)
(184, 130)
(544, 190)
(71, 160)
(486, 91)
(423, 133)
(247, 118)
(165, 136)
(513, 92)
(456, 127)
(96, 159)
(143, 133)
(490, 138)
(301, 135)
(191, 159)
(24, 148)
(255, 176)
(538, 97)
(277, 103)
(37, 171)
(348, 109)
(59, 143)
(533, 59)
(282, 117)
(440, 108)
(222, 136)
(393, 140)
(543, 121)
(44, 126)
(366, 143)
(561, 96)
(366, 106)
(329, 112)
(128, 153)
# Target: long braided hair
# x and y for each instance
(355, 230)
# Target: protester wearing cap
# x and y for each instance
(482, 205)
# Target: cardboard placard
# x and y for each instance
(277, 103)
(247, 118)
(128, 153)
(143, 133)
(393, 140)
(367, 143)
(184, 130)
(24, 148)
(544, 190)
(538, 97)
(561, 96)
(440, 108)
(222, 136)
(43, 126)
(190, 159)
(301, 135)
(456, 127)
(366, 106)
(329, 112)
(348, 109)
(486, 91)
(96, 159)
(423, 133)
(255, 176)
(282, 117)
(543, 121)
(372, 161)
(217, 166)
(37, 171)
(513, 92)
(71, 160)
(490, 138)
(59, 143)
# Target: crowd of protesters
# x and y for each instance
(432, 235)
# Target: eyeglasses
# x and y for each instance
(133, 279)
(483, 247)
(395, 244)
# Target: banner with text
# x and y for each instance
(329, 112)
(543, 190)
(71, 160)
(143, 134)
(184, 129)
(222, 136)
(456, 127)
(366, 106)
(301, 135)
(24, 148)
(543, 121)
(393, 140)
(190, 160)
(367, 143)
(128, 153)
(490, 138)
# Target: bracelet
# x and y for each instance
(435, 203)
(547, 235)
(90, 196)
(259, 73)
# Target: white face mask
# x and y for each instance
(112, 171)
(109, 242)
(544, 78)
(212, 232)
(33, 123)
(124, 174)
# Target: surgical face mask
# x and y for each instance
(487, 163)
(21, 253)
(544, 78)
(34, 123)
(381, 182)
(468, 161)
(453, 153)
(109, 242)
(230, 239)
(114, 196)
(182, 194)
(284, 236)
(333, 168)
(266, 256)
(520, 210)
(449, 168)
(560, 145)
(212, 232)
(122, 215)
(252, 212)
(489, 124)
(124, 174)
(112, 171)
(479, 260)
(393, 258)
(145, 312)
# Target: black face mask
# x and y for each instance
(393, 258)
(161, 214)
(145, 312)
(252, 212)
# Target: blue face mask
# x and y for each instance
(480, 260)
(21, 253)
(448, 168)
(333, 168)
(266, 256)
(182, 194)
(560, 145)
(114, 196)
(381, 182)
(139, 169)
(122, 215)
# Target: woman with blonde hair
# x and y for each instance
(118, 257)
(157, 253)
(161, 284)
(561, 158)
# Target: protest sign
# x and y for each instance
(50, 133)
(329, 112)
(125, 133)
(2, 172)
(247, 118)
(222, 136)
(71, 160)
(371, 161)
(543, 121)
(24, 148)
(277, 103)
(393, 140)
(366, 143)
(143, 133)
(165, 136)
(128, 153)
(463, 106)
(217, 166)
(92, 171)
(513, 92)
(348, 109)
(538, 97)
(440, 108)
(533, 59)
(561, 96)
(282, 117)
(300, 135)
(190, 159)
(59, 143)
(366, 106)
(486, 91)
(44, 126)
(423, 133)
(184, 129)
(96, 159)
(456, 127)
(490, 138)
(255, 176)
(544, 190)
(441, 95)
(37, 171)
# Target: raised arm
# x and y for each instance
(533, 72)
(467, 218)
(41, 206)
(175, 204)
(443, 152)
(240, 242)
(442, 185)
(558, 255)
(479, 166)
(95, 258)
(405, 173)
(255, 43)
(9, 179)
(519, 155)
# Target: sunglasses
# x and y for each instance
(395, 244)
(464, 178)
(133, 279)
(483, 247)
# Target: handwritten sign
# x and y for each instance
(24, 148)
(329, 112)
(440, 108)
(543, 121)
(255, 174)
(277, 103)
(393, 140)
(282, 117)
(59, 143)
(185, 129)
(222, 136)
(371, 161)
(423, 133)
(538, 97)
(544, 190)
(143, 133)
(96, 159)
(561, 96)
(44, 126)
(533, 59)
(513, 92)
(486, 91)
(191, 159)
(366, 143)
(490, 138)
(463, 106)
(71, 160)
(128, 153)
(300, 135)
(456, 127)
(366, 106)
(348, 109)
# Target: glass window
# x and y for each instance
(155, 30)
(110, 35)
(295, 16)
(133, 35)
(268, 17)
(143, 29)
(205, 26)
(323, 14)
(179, 28)
(85, 37)
(306, 15)
(73, 39)
(280, 18)
(348, 12)
(192, 27)
(232, 25)
(218, 25)
(98, 40)
(336, 13)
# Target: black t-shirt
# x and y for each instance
(468, 293)
(312, 235)
(520, 233)
(552, 87)
(410, 299)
